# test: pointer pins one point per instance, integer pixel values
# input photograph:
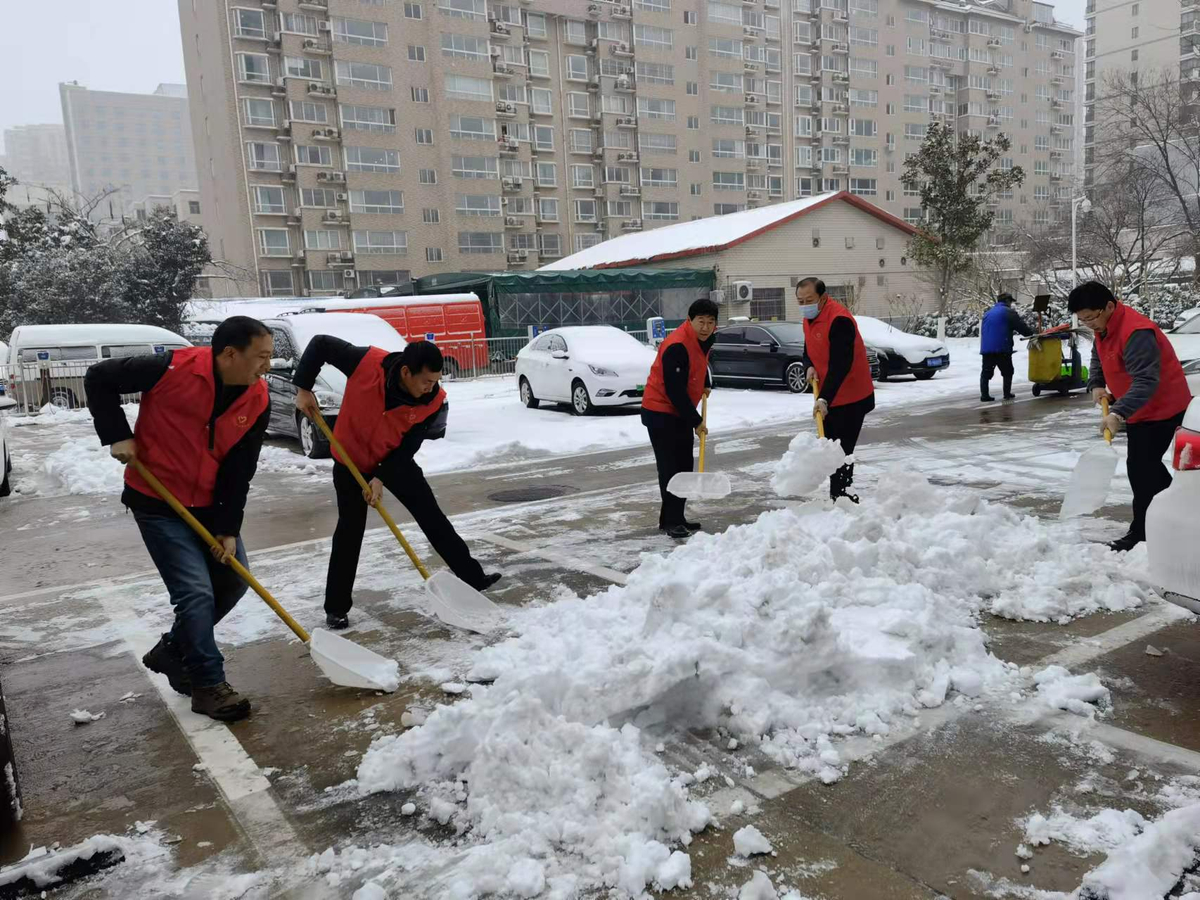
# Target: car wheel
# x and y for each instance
(793, 377)
(63, 398)
(5, 482)
(314, 444)
(924, 376)
(581, 401)
(527, 394)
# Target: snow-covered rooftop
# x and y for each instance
(709, 235)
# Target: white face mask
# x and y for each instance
(810, 311)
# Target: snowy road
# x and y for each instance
(824, 666)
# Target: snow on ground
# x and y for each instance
(806, 465)
(804, 626)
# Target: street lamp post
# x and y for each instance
(1083, 205)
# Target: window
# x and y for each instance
(298, 23)
(472, 128)
(254, 68)
(277, 283)
(579, 106)
(915, 132)
(543, 137)
(249, 23)
(912, 215)
(723, 148)
(463, 87)
(359, 31)
(322, 198)
(653, 5)
(653, 73)
(651, 36)
(725, 13)
(695, 189)
(273, 242)
(546, 174)
(323, 240)
(474, 166)
(477, 205)
(378, 243)
(652, 108)
(307, 111)
(864, 187)
(583, 177)
(1133, 32)
(580, 140)
(768, 304)
(729, 181)
(431, 216)
(260, 113)
(656, 144)
(577, 66)
(412, 11)
(535, 25)
(264, 157)
(730, 49)
(584, 241)
(423, 136)
(727, 115)
(433, 254)
(463, 9)
(480, 242)
(313, 155)
(725, 209)
(574, 31)
(690, 17)
(693, 89)
(267, 199)
(325, 282)
(864, 157)
(372, 159)
(862, 127)
(585, 211)
(462, 46)
(694, 156)
(660, 210)
(368, 118)
(427, 176)
(416, 53)
(295, 67)
(547, 210)
(550, 245)
(383, 202)
(619, 209)
(364, 75)
(726, 82)
(660, 177)
(540, 100)
(193, 207)
(693, 123)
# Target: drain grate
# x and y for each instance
(534, 492)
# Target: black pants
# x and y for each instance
(414, 492)
(672, 441)
(992, 362)
(844, 423)
(1148, 442)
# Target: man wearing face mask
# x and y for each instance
(835, 354)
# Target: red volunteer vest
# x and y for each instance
(172, 430)
(365, 426)
(857, 385)
(655, 396)
(1173, 394)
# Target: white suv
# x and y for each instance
(1172, 520)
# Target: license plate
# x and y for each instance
(933, 363)
(641, 387)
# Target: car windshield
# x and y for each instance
(788, 333)
(1191, 326)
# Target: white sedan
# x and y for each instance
(901, 353)
(585, 366)
(6, 403)
(1186, 340)
(1171, 520)
(1186, 316)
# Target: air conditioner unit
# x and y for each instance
(743, 291)
(323, 26)
(348, 273)
(717, 297)
(496, 55)
(343, 197)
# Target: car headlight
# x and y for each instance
(601, 371)
(326, 399)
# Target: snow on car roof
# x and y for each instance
(361, 329)
(216, 310)
(708, 235)
(376, 302)
(93, 334)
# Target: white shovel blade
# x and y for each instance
(700, 485)
(1089, 482)
(349, 665)
(459, 605)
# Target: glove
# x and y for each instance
(1112, 422)
(822, 407)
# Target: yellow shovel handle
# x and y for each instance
(704, 429)
(1108, 435)
(384, 514)
(816, 387)
(234, 563)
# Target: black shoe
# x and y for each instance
(165, 660)
(220, 702)
(488, 581)
(336, 623)
(1125, 543)
(1010, 396)
(679, 532)
(986, 399)
(692, 526)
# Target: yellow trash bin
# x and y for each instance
(1045, 361)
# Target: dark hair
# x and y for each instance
(238, 332)
(703, 307)
(421, 355)
(1090, 295)
(817, 283)
(1006, 297)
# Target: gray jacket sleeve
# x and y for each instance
(1095, 371)
(1142, 360)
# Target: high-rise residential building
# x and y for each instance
(130, 144)
(1148, 37)
(349, 142)
(36, 155)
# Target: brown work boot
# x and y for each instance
(221, 702)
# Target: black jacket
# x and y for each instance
(345, 357)
(104, 384)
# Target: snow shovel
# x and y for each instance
(816, 389)
(700, 485)
(344, 662)
(454, 601)
(1091, 478)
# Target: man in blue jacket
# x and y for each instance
(996, 345)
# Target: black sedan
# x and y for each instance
(761, 354)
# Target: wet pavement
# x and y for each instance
(928, 813)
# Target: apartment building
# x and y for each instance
(343, 143)
(36, 155)
(1144, 36)
(130, 144)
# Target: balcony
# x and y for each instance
(841, 169)
(627, 122)
(993, 69)
(632, 225)
(841, 47)
(939, 34)
(343, 258)
(993, 122)
(314, 5)
(512, 222)
(939, 62)
(517, 257)
(508, 145)
(511, 185)
(1056, 176)
(323, 91)
(502, 70)
(620, 48)
(992, 94)
(334, 217)
(331, 177)
(754, 196)
(326, 134)
(754, 162)
(842, 140)
(995, 42)
(506, 110)
(630, 190)
(499, 30)
(750, 66)
(622, 12)
(627, 156)
(317, 46)
(841, 78)
(841, 109)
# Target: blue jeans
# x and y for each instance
(203, 591)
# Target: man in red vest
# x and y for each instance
(835, 354)
(678, 380)
(1135, 367)
(392, 404)
(200, 426)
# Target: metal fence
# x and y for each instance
(34, 385)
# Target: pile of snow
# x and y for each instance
(82, 466)
(1100, 833)
(56, 415)
(291, 462)
(788, 632)
(41, 868)
(1082, 695)
(1150, 864)
(749, 841)
(808, 462)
